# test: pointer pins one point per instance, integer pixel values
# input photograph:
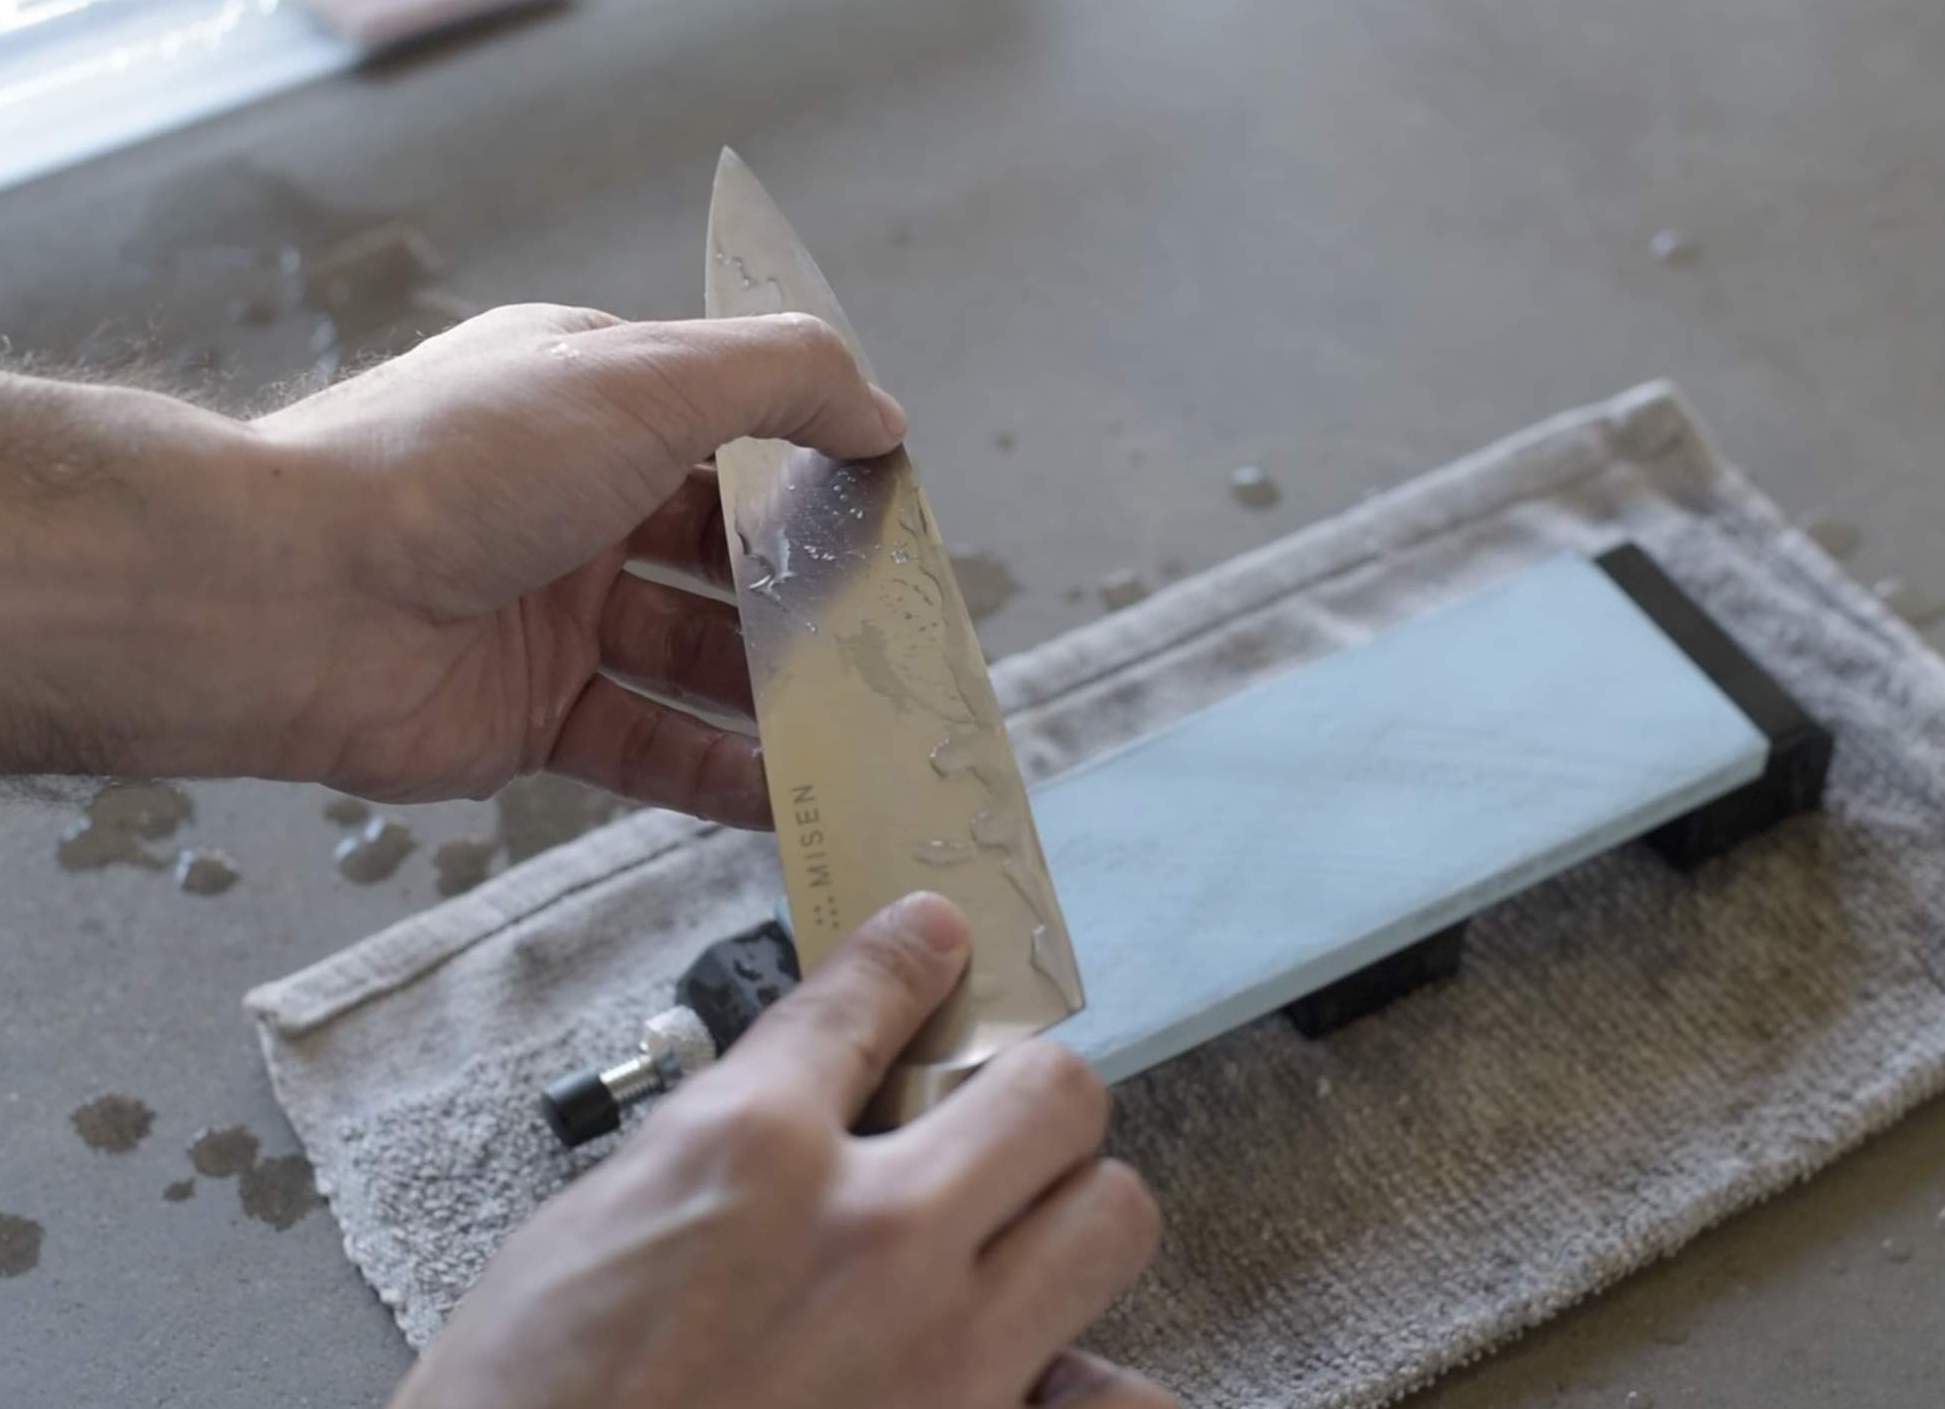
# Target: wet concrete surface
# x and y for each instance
(1106, 255)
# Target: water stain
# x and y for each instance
(20, 1245)
(985, 582)
(1837, 537)
(180, 1191)
(374, 852)
(366, 285)
(347, 811)
(1252, 487)
(205, 872)
(951, 757)
(120, 818)
(867, 651)
(463, 863)
(113, 1123)
(543, 810)
(253, 275)
(1639, 1399)
(1895, 1250)
(279, 1191)
(1671, 246)
(219, 1154)
(1122, 588)
(1916, 606)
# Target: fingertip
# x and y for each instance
(890, 413)
(934, 921)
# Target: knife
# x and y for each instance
(888, 762)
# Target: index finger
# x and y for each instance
(832, 1041)
(782, 376)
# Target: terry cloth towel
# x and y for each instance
(1628, 1055)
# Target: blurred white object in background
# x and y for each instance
(82, 77)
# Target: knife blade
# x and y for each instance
(888, 761)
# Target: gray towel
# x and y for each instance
(1628, 1056)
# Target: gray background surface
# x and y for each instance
(1105, 253)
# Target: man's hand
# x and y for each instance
(743, 1251)
(411, 585)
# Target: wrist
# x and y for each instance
(147, 550)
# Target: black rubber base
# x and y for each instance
(1360, 994)
(1800, 749)
(735, 979)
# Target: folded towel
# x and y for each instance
(1628, 1056)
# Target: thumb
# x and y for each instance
(785, 376)
(831, 1042)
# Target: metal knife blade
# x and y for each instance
(889, 766)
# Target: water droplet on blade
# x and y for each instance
(945, 853)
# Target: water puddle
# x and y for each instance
(1252, 487)
(985, 582)
(375, 851)
(278, 1191)
(255, 279)
(20, 1245)
(113, 1124)
(205, 872)
(463, 863)
(543, 810)
(118, 821)
(1122, 588)
(219, 1154)
(347, 811)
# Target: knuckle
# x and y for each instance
(685, 643)
(1127, 1206)
(545, 317)
(641, 747)
(572, 319)
(761, 1137)
(845, 1028)
(814, 338)
(1062, 1079)
(885, 1225)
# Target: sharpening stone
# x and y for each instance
(1296, 835)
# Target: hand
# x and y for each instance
(411, 585)
(743, 1251)
(516, 463)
